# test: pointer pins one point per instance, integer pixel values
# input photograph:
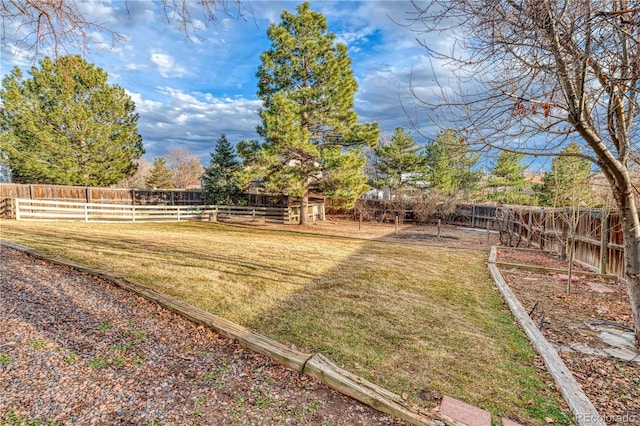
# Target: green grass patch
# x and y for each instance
(418, 320)
(11, 418)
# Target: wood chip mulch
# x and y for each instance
(612, 384)
(75, 349)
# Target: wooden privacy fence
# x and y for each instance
(597, 233)
(92, 212)
(88, 194)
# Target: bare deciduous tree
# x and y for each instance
(140, 177)
(532, 74)
(186, 168)
(57, 25)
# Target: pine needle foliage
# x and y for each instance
(568, 181)
(65, 125)
(221, 184)
(400, 163)
(312, 140)
(160, 176)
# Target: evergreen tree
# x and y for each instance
(508, 179)
(568, 181)
(66, 125)
(450, 164)
(311, 136)
(400, 163)
(221, 184)
(160, 176)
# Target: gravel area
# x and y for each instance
(75, 349)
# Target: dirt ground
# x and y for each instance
(72, 352)
(75, 349)
(444, 236)
(580, 327)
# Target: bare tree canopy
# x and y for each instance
(186, 168)
(57, 26)
(533, 75)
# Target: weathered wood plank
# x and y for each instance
(366, 392)
(584, 411)
(282, 354)
(317, 366)
(507, 265)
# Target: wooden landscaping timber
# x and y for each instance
(584, 411)
(317, 366)
(290, 358)
(366, 392)
(558, 270)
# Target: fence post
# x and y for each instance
(178, 213)
(86, 212)
(605, 228)
(530, 226)
(17, 204)
(473, 216)
(543, 230)
(133, 213)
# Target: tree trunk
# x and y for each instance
(631, 227)
(304, 208)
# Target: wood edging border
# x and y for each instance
(557, 270)
(317, 366)
(583, 410)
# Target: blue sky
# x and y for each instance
(190, 91)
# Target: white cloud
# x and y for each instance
(193, 120)
(99, 12)
(166, 65)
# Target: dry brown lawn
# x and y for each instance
(418, 319)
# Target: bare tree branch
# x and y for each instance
(534, 75)
(57, 26)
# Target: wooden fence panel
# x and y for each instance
(66, 210)
(14, 190)
(109, 196)
(86, 194)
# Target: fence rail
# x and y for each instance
(26, 209)
(597, 233)
(95, 195)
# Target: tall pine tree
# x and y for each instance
(160, 176)
(221, 183)
(508, 180)
(451, 165)
(66, 125)
(568, 181)
(311, 136)
(399, 163)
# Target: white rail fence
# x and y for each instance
(65, 210)
(26, 209)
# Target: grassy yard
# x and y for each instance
(418, 320)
